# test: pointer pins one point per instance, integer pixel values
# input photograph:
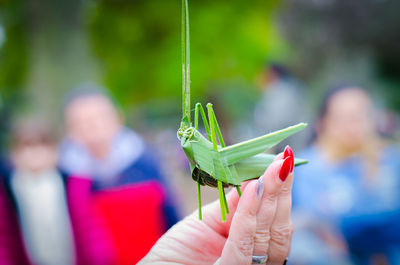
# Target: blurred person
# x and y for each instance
(347, 199)
(119, 190)
(35, 226)
(281, 103)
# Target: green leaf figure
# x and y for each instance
(211, 162)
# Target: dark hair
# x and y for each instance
(323, 109)
(85, 90)
(332, 92)
(279, 69)
(90, 90)
(32, 132)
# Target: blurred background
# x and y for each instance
(239, 49)
(133, 49)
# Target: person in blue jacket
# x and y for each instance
(347, 199)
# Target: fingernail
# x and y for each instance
(289, 153)
(260, 187)
(285, 169)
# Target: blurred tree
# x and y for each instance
(138, 43)
(59, 56)
(13, 59)
(340, 34)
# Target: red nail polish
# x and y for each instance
(289, 153)
(285, 169)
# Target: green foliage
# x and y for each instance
(13, 52)
(13, 61)
(138, 43)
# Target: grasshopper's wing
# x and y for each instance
(253, 167)
(237, 152)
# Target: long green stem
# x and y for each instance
(185, 41)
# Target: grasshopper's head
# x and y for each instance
(185, 135)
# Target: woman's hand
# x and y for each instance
(258, 224)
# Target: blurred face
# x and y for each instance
(34, 157)
(93, 121)
(348, 122)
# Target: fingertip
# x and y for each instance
(285, 169)
(288, 152)
(279, 156)
(260, 187)
(251, 186)
(249, 194)
(272, 181)
(273, 169)
(244, 185)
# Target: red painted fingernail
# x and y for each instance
(289, 153)
(285, 169)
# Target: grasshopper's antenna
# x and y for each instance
(185, 41)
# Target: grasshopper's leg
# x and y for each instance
(199, 200)
(221, 141)
(199, 110)
(196, 125)
(225, 202)
(214, 129)
(221, 200)
(238, 190)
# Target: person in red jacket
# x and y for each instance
(118, 180)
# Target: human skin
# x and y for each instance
(93, 121)
(259, 223)
(348, 125)
(34, 158)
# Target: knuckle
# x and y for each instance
(262, 237)
(281, 235)
(245, 246)
(270, 198)
(246, 214)
(285, 192)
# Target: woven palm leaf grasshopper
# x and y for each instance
(212, 163)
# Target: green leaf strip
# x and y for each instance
(185, 42)
(234, 153)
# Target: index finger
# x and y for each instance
(239, 246)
